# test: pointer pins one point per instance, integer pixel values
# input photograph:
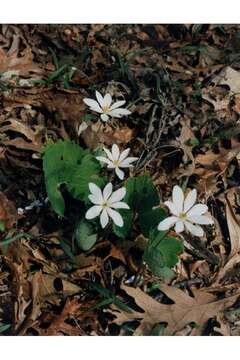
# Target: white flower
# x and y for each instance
(82, 127)
(185, 213)
(116, 160)
(104, 107)
(105, 202)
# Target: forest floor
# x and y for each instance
(182, 86)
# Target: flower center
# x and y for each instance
(105, 205)
(116, 162)
(183, 216)
(105, 109)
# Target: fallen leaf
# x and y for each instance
(233, 227)
(96, 134)
(186, 310)
(59, 326)
(23, 65)
(229, 77)
(33, 135)
(8, 212)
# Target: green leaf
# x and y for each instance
(149, 219)
(158, 330)
(67, 163)
(162, 253)
(4, 327)
(2, 226)
(84, 235)
(109, 297)
(128, 217)
(141, 193)
(141, 196)
(87, 171)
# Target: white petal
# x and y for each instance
(95, 190)
(118, 113)
(93, 212)
(178, 198)
(99, 98)
(117, 195)
(104, 218)
(109, 154)
(95, 199)
(104, 160)
(107, 191)
(179, 227)
(107, 100)
(117, 218)
(201, 219)
(120, 205)
(117, 104)
(172, 208)
(194, 229)
(111, 166)
(190, 200)
(197, 209)
(124, 154)
(83, 126)
(167, 223)
(93, 104)
(119, 173)
(127, 162)
(115, 152)
(104, 117)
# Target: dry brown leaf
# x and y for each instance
(8, 212)
(198, 309)
(95, 135)
(223, 328)
(47, 288)
(233, 227)
(210, 165)
(34, 136)
(59, 326)
(23, 65)
(182, 142)
(230, 77)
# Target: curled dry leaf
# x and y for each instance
(229, 77)
(33, 135)
(21, 65)
(8, 212)
(96, 134)
(186, 310)
(234, 235)
(209, 165)
(59, 326)
(233, 227)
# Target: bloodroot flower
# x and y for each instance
(103, 106)
(104, 204)
(185, 214)
(116, 160)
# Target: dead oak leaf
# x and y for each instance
(233, 225)
(59, 326)
(33, 135)
(210, 165)
(229, 77)
(23, 65)
(8, 212)
(186, 310)
(96, 134)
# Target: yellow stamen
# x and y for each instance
(105, 204)
(116, 162)
(105, 109)
(183, 216)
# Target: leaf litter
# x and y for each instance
(182, 84)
